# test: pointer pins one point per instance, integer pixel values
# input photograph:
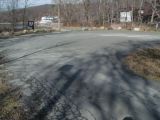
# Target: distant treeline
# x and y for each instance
(84, 12)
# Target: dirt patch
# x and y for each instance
(145, 62)
(10, 105)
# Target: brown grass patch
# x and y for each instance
(10, 105)
(145, 62)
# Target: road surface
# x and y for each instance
(80, 75)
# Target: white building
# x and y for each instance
(126, 16)
(48, 19)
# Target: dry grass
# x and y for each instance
(145, 62)
(10, 106)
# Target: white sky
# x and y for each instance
(30, 3)
(40, 2)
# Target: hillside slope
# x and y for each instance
(34, 12)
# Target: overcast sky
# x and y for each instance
(40, 2)
(30, 3)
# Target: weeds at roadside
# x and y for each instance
(10, 106)
(145, 62)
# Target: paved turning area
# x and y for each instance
(81, 76)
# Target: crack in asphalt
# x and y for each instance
(38, 51)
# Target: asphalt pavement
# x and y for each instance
(81, 76)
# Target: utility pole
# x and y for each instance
(59, 15)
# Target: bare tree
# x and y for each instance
(12, 6)
(68, 6)
(139, 12)
(155, 9)
(59, 15)
(24, 12)
(99, 12)
(86, 4)
(58, 4)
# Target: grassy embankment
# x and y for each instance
(10, 105)
(145, 62)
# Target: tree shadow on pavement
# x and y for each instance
(97, 87)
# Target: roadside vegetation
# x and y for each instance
(145, 62)
(10, 105)
(25, 32)
(137, 15)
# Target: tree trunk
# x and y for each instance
(152, 17)
(59, 15)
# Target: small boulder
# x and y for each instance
(24, 31)
(119, 28)
(94, 28)
(102, 27)
(136, 29)
(5, 33)
(84, 29)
